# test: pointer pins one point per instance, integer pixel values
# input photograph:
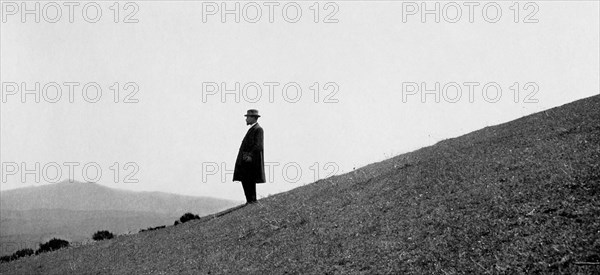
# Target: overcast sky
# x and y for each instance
(181, 136)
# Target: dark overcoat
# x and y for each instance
(252, 145)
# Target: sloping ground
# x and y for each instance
(28, 228)
(519, 197)
(73, 211)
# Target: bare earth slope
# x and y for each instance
(519, 197)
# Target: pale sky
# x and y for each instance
(172, 134)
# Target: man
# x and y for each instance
(250, 165)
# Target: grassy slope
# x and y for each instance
(523, 196)
(26, 229)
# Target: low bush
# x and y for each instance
(52, 245)
(21, 253)
(188, 217)
(24, 252)
(102, 235)
(153, 228)
(6, 258)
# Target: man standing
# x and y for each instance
(250, 165)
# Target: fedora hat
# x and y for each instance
(252, 112)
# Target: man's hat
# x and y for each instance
(252, 112)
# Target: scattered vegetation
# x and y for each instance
(102, 235)
(19, 254)
(51, 245)
(24, 252)
(188, 217)
(55, 244)
(153, 228)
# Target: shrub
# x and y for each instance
(153, 228)
(21, 253)
(24, 252)
(51, 245)
(102, 235)
(188, 217)
(176, 223)
(5, 259)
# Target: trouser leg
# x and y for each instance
(253, 191)
(249, 191)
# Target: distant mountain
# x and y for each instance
(92, 196)
(75, 210)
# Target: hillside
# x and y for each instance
(27, 228)
(520, 197)
(75, 210)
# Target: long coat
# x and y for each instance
(252, 145)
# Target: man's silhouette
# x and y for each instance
(250, 165)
